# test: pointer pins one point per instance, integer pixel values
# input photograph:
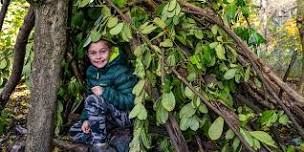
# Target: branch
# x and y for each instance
(74, 67)
(3, 12)
(292, 62)
(175, 134)
(199, 143)
(19, 49)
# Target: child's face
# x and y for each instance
(99, 54)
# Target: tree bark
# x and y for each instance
(300, 25)
(19, 49)
(3, 12)
(49, 47)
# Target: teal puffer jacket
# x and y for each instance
(117, 80)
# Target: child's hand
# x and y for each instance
(86, 127)
(97, 90)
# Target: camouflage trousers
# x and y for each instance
(102, 116)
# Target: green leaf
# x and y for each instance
(142, 115)
(105, 11)
(213, 44)
(230, 11)
(230, 1)
(194, 123)
(191, 76)
(161, 114)
(220, 51)
(3, 64)
(1, 81)
(139, 87)
(216, 129)
(168, 101)
(117, 29)
(135, 111)
(196, 101)
(199, 34)
(187, 111)
(148, 29)
(247, 136)
(172, 5)
(139, 69)
(229, 134)
(257, 82)
(203, 108)
(188, 93)
(177, 10)
(83, 3)
(185, 123)
(156, 48)
(247, 73)
(284, 119)
(214, 29)
(159, 22)
(263, 137)
(112, 22)
(146, 140)
(119, 3)
(230, 74)
(95, 35)
(171, 60)
(139, 50)
(166, 43)
(128, 31)
(268, 118)
(256, 144)
(235, 143)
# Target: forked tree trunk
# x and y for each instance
(50, 44)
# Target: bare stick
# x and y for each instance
(3, 12)
(20, 49)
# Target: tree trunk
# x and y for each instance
(300, 24)
(3, 12)
(19, 54)
(49, 47)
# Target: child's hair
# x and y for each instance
(106, 42)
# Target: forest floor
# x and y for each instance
(13, 121)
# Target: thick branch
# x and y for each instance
(3, 12)
(19, 49)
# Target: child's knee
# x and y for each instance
(93, 101)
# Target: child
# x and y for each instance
(110, 83)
